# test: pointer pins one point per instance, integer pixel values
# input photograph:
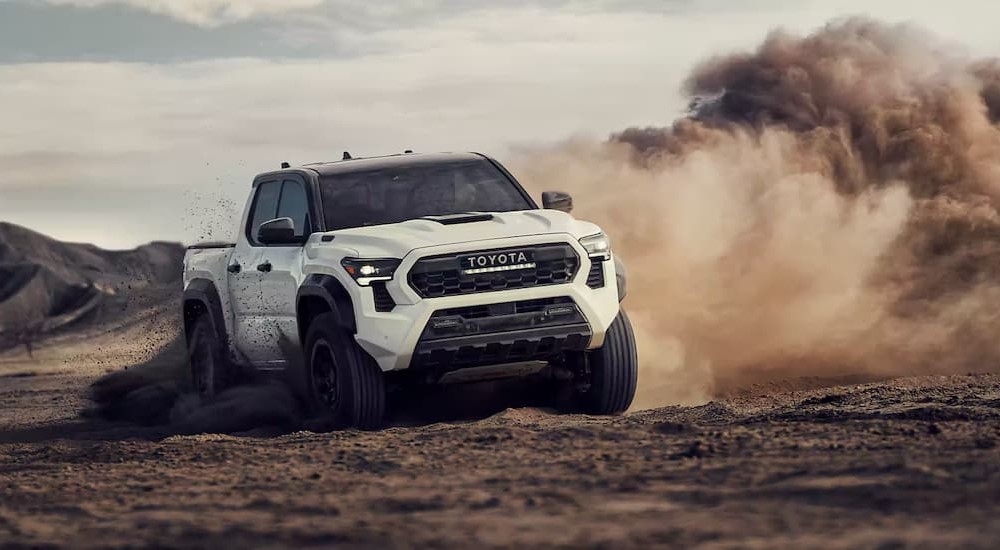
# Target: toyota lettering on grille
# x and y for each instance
(497, 261)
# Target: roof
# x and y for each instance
(390, 161)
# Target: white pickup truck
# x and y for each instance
(409, 269)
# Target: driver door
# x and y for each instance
(250, 331)
(280, 281)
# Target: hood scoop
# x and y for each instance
(454, 219)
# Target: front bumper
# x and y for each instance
(405, 337)
(530, 330)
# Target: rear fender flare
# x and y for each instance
(204, 293)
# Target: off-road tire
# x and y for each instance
(211, 372)
(342, 380)
(614, 370)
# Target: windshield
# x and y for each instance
(396, 194)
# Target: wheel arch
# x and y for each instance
(319, 294)
(202, 298)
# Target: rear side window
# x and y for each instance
(295, 204)
(265, 205)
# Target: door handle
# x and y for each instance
(234, 268)
(264, 267)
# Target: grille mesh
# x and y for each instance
(442, 275)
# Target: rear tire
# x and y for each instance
(614, 370)
(211, 373)
(342, 380)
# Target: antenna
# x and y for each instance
(285, 165)
(347, 156)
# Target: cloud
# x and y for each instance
(169, 31)
(208, 13)
(203, 129)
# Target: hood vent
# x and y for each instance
(453, 219)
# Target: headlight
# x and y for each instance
(365, 272)
(597, 246)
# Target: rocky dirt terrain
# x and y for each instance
(898, 463)
(103, 445)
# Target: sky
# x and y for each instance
(126, 121)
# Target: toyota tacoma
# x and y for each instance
(409, 269)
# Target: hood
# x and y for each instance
(398, 240)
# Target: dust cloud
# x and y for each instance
(159, 395)
(827, 208)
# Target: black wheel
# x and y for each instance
(343, 381)
(614, 370)
(210, 371)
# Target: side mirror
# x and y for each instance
(557, 200)
(277, 231)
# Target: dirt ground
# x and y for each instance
(901, 463)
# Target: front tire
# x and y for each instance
(343, 381)
(614, 370)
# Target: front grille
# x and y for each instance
(383, 300)
(595, 278)
(437, 276)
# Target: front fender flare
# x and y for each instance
(621, 279)
(333, 293)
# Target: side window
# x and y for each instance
(265, 204)
(295, 204)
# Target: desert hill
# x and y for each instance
(47, 286)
